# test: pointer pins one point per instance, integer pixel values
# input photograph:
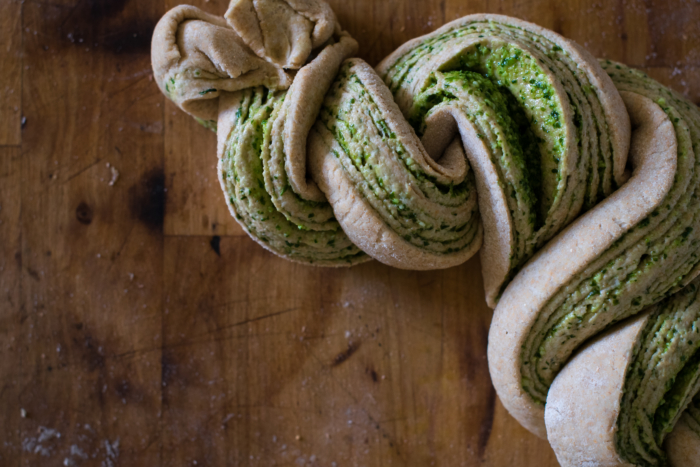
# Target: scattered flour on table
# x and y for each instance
(49, 443)
(43, 444)
(114, 172)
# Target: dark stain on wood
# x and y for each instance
(84, 213)
(473, 364)
(345, 354)
(487, 421)
(114, 26)
(123, 389)
(372, 374)
(558, 26)
(215, 244)
(92, 353)
(168, 369)
(134, 38)
(105, 9)
(147, 199)
(33, 274)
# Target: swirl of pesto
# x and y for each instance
(641, 375)
(545, 131)
(390, 197)
(632, 250)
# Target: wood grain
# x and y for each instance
(11, 78)
(141, 325)
(14, 374)
(91, 253)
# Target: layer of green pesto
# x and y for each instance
(306, 214)
(209, 124)
(662, 378)
(432, 214)
(243, 169)
(647, 263)
(184, 84)
(503, 126)
(522, 75)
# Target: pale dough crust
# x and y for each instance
(584, 401)
(196, 56)
(283, 32)
(682, 445)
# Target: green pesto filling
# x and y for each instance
(648, 263)
(434, 215)
(528, 91)
(676, 398)
(510, 120)
(209, 124)
(520, 74)
(662, 378)
(507, 64)
(243, 174)
(503, 126)
(306, 214)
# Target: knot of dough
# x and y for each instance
(197, 56)
(283, 32)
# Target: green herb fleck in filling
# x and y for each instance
(662, 378)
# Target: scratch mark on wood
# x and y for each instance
(33, 274)
(345, 354)
(374, 422)
(168, 369)
(80, 171)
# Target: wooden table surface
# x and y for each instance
(139, 326)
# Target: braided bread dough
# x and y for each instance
(326, 161)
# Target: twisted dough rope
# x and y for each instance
(635, 248)
(641, 374)
(546, 134)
